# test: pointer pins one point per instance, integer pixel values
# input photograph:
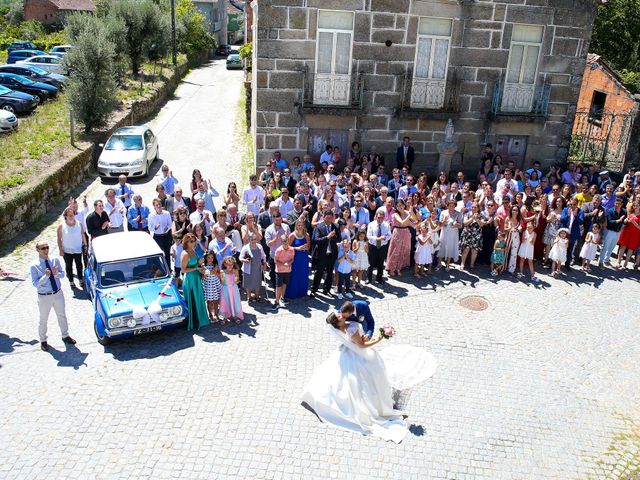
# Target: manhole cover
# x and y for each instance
(474, 303)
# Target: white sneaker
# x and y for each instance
(339, 296)
(349, 295)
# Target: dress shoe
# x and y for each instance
(69, 340)
(44, 346)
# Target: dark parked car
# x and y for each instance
(16, 102)
(26, 85)
(234, 61)
(223, 50)
(22, 46)
(18, 55)
(36, 74)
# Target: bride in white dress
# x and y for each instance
(353, 388)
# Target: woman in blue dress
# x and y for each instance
(192, 284)
(300, 242)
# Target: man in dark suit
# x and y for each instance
(405, 154)
(296, 213)
(289, 182)
(325, 251)
(309, 202)
(571, 219)
(359, 311)
(177, 200)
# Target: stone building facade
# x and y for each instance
(335, 71)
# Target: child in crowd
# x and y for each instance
(361, 249)
(423, 255)
(526, 251)
(588, 251)
(176, 253)
(497, 257)
(230, 305)
(345, 261)
(211, 285)
(558, 253)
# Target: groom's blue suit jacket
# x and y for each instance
(363, 310)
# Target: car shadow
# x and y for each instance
(151, 346)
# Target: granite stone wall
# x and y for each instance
(285, 48)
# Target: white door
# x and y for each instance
(432, 60)
(520, 83)
(332, 82)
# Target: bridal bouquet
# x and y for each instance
(387, 331)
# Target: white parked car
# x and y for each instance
(129, 151)
(50, 63)
(8, 121)
(60, 50)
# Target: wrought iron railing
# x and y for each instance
(332, 91)
(429, 94)
(520, 99)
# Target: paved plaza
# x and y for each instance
(542, 384)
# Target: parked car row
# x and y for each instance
(29, 78)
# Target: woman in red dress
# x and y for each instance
(629, 240)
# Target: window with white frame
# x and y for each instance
(332, 82)
(519, 87)
(431, 63)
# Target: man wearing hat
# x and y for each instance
(604, 181)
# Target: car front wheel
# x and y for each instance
(102, 340)
(8, 107)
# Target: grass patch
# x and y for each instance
(246, 140)
(40, 136)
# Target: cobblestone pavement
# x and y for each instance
(520, 393)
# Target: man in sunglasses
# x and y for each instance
(46, 273)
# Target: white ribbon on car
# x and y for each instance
(148, 314)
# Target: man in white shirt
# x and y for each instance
(201, 215)
(124, 191)
(253, 197)
(326, 156)
(206, 192)
(378, 236)
(167, 180)
(284, 203)
(507, 179)
(115, 209)
(160, 227)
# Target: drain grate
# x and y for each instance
(475, 303)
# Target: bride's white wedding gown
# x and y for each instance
(353, 388)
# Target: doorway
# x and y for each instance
(319, 138)
(512, 148)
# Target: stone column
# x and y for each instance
(447, 149)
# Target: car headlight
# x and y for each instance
(115, 322)
(175, 311)
(137, 161)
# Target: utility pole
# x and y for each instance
(173, 33)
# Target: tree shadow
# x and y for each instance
(8, 344)
(70, 357)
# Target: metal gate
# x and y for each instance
(601, 138)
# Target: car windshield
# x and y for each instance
(39, 71)
(4, 90)
(124, 142)
(132, 271)
(23, 80)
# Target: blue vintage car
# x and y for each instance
(131, 287)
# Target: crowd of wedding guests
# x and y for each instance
(341, 222)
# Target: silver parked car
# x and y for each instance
(8, 121)
(129, 151)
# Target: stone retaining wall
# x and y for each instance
(24, 205)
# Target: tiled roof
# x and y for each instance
(81, 5)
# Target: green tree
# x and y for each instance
(192, 29)
(143, 21)
(92, 87)
(616, 34)
(15, 15)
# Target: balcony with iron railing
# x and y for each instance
(427, 97)
(332, 94)
(520, 101)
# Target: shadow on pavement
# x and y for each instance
(417, 430)
(8, 344)
(151, 346)
(71, 357)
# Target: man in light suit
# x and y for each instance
(405, 154)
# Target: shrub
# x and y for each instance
(92, 88)
(192, 29)
(246, 52)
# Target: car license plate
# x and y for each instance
(140, 331)
(119, 172)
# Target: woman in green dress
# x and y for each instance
(192, 284)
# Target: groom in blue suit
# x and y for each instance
(359, 311)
